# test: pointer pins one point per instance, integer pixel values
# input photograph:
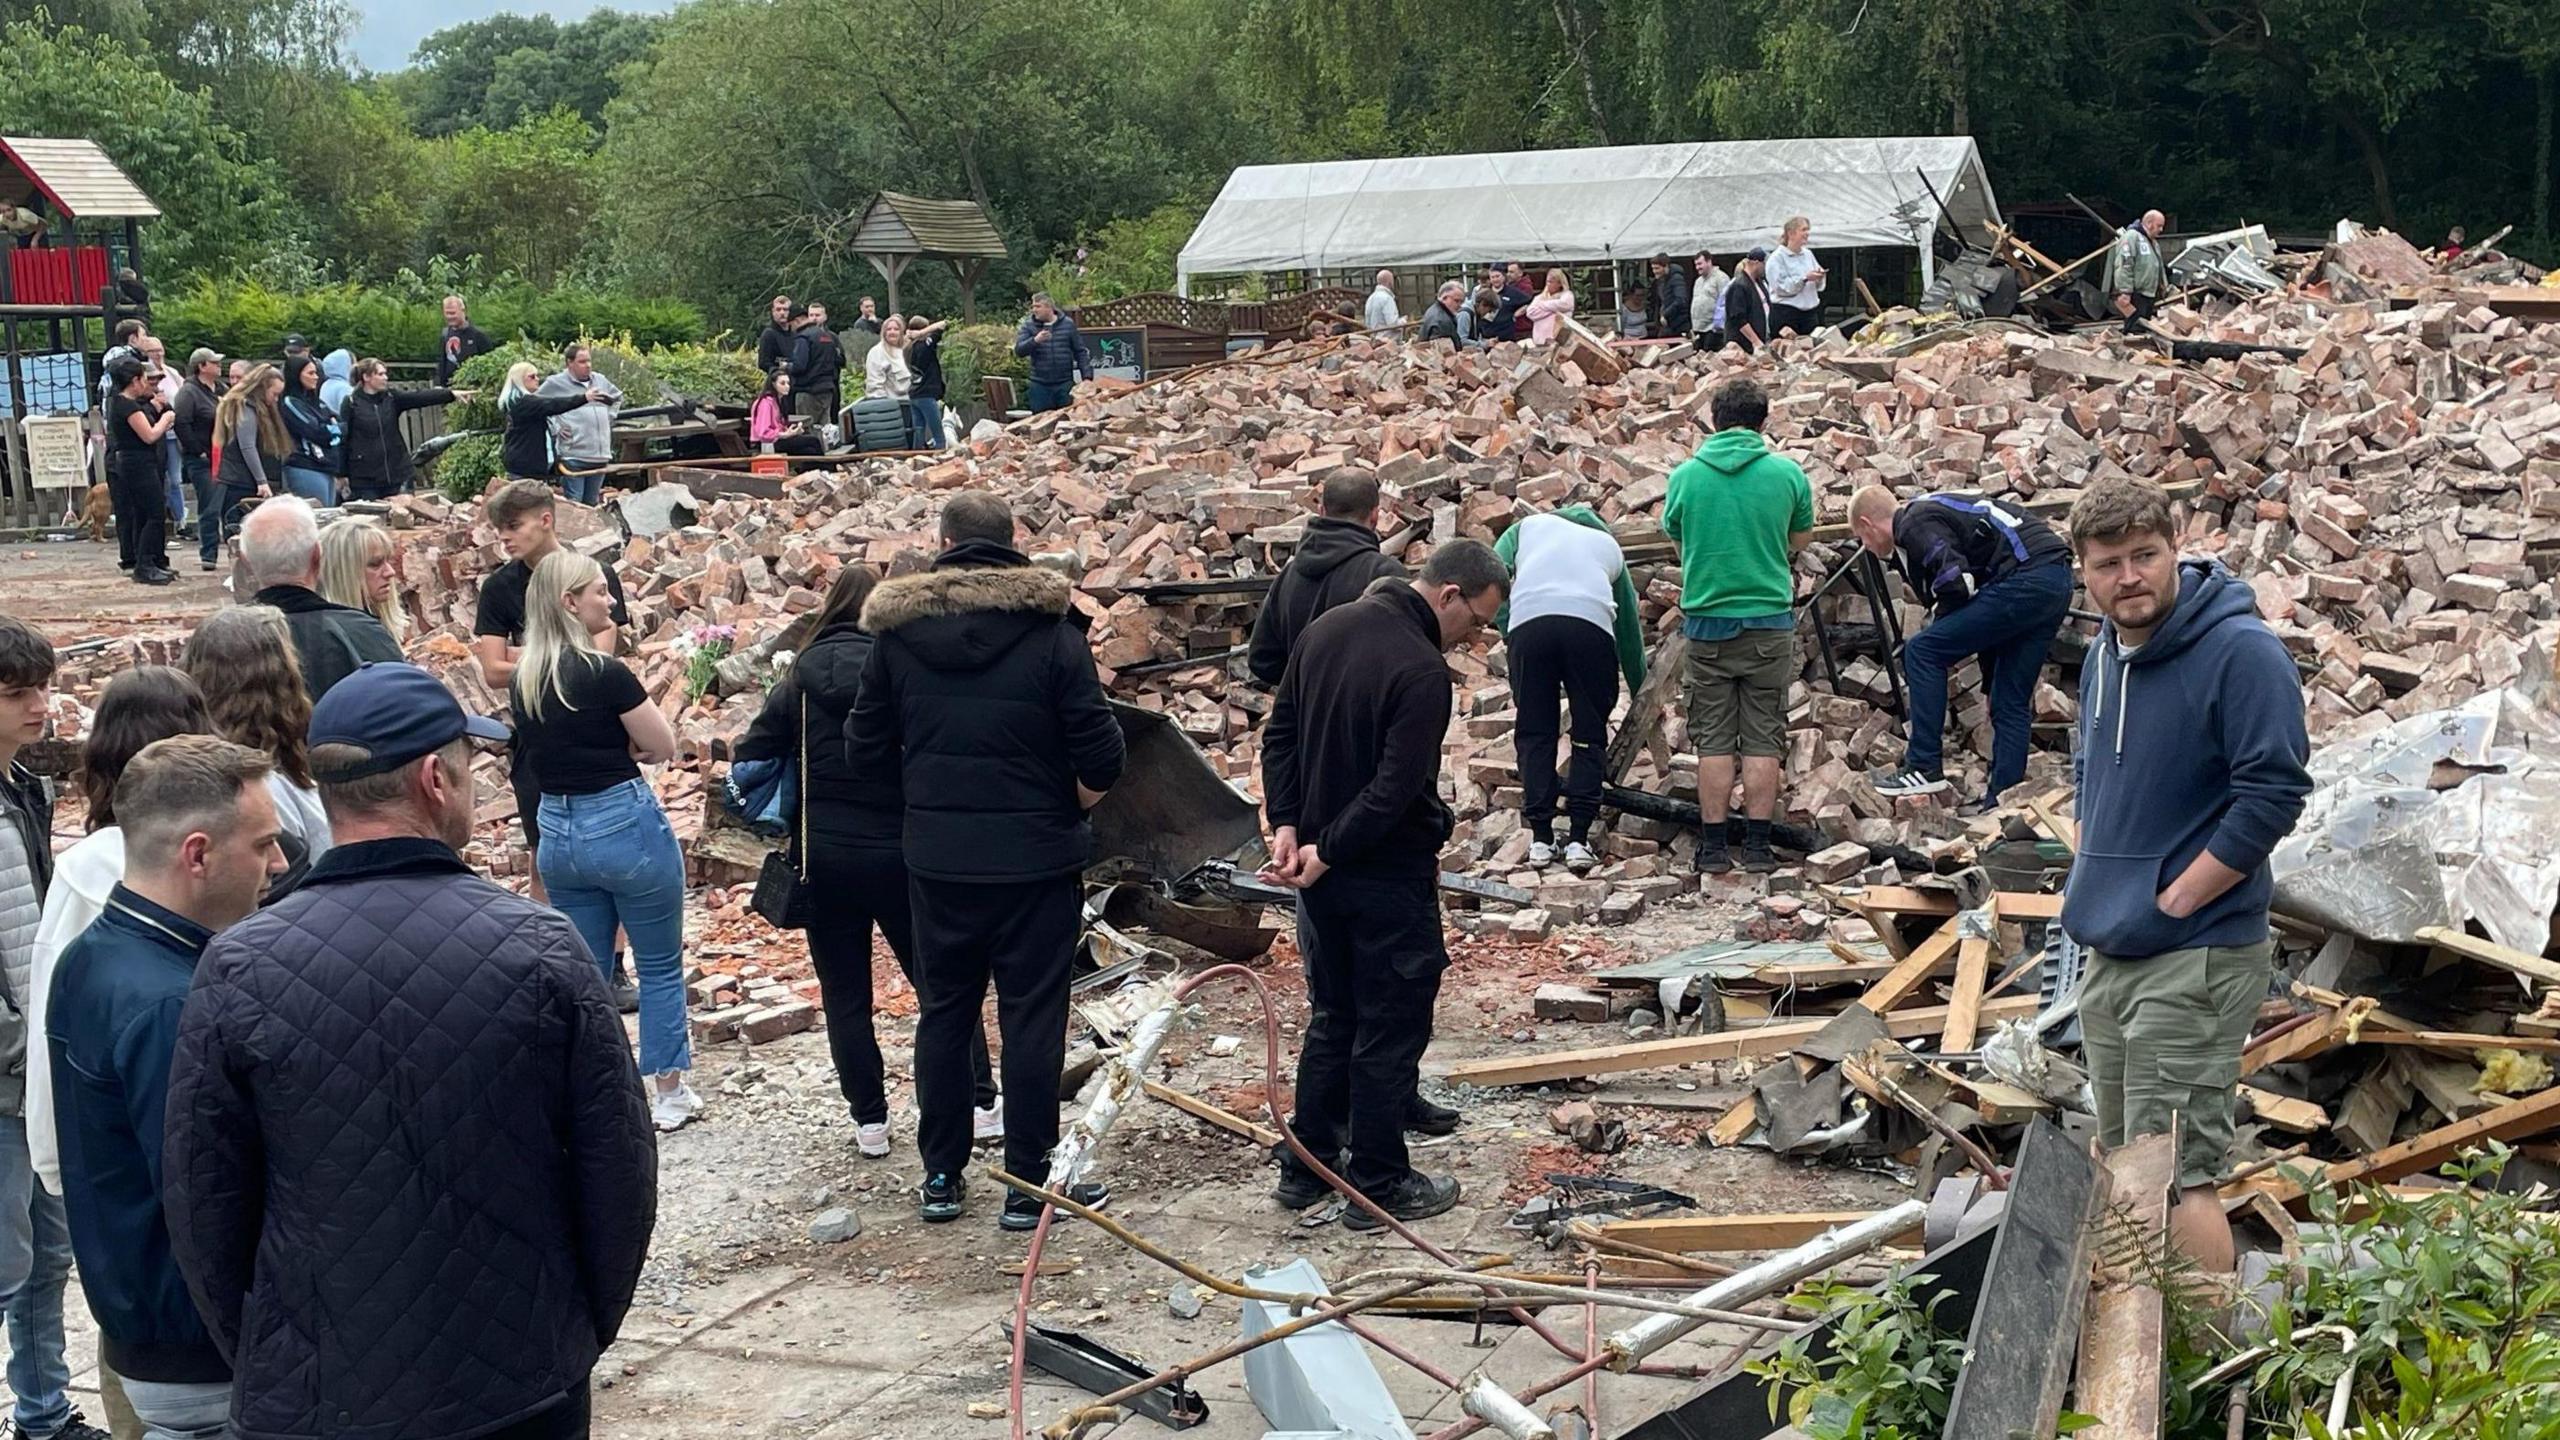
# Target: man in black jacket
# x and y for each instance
(1351, 784)
(197, 397)
(200, 847)
(773, 345)
(1999, 580)
(410, 1172)
(1338, 557)
(280, 544)
(1746, 301)
(981, 690)
(461, 340)
(817, 362)
(1440, 321)
(1666, 301)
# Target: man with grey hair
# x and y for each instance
(1351, 780)
(461, 341)
(1056, 349)
(410, 1172)
(1440, 322)
(1383, 312)
(280, 544)
(200, 848)
(2136, 275)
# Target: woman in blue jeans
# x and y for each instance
(608, 857)
(311, 467)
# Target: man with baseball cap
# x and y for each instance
(1746, 302)
(404, 1042)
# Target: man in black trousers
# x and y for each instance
(1351, 784)
(981, 689)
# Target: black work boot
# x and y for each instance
(1421, 1117)
(1416, 1197)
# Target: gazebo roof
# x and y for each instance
(78, 178)
(906, 225)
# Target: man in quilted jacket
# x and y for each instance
(409, 1171)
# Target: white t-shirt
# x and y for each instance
(1562, 568)
(82, 878)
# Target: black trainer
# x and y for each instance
(1421, 1117)
(1416, 1197)
(1715, 857)
(946, 1197)
(1022, 1212)
(1909, 780)
(1758, 858)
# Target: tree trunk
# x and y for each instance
(1578, 40)
(2545, 100)
(2377, 165)
(1962, 118)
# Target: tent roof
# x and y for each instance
(1618, 202)
(905, 225)
(78, 178)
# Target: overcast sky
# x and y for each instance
(387, 30)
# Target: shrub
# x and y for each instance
(245, 317)
(972, 352)
(467, 466)
(710, 373)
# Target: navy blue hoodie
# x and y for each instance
(2193, 742)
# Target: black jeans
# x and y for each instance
(853, 890)
(208, 493)
(140, 490)
(1373, 956)
(1567, 656)
(1022, 938)
(2138, 323)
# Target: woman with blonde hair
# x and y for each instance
(242, 658)
(527, 448)
(360, 569)
(249, 443)
(1551, 309)
(608, 857)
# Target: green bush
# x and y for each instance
(970, 353)
(244, 317)
(467, 466)
(710, 373)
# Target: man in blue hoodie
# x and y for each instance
(200, 848)
(2190, 769)
(1059, 357)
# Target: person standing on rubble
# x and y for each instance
(980, 690)
(2136, 275)
(2189, 769)
(1338, 558)
(845, 834)
(1383, 312)
(1795, 278)
(1572, 627)
(1048, 337)
(1351, 786)
(1744, 311)
(1999, 581)
(1739, 512)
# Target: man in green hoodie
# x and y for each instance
(1739, 514)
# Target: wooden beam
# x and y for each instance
(2060, 826)
(1226, 1120)
(2284, 1112)
(1690, 1049)
(2122, 1341)
(1890, 990)
(1905, 900)
(1719, 1233)
(1664, 669)
(1964, 1008)
(2460, 1041)
(2490, 952)
(2515, 1120)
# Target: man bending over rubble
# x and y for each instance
(1351, 783)
(2189, 765)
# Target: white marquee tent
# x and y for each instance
(1623, 202)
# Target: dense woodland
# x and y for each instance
(715, 153)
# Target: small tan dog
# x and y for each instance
(96, 517)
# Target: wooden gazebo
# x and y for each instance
(899, 230)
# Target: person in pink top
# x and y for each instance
(770, 422)
(1548, 312)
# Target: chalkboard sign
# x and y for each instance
(1120, 352)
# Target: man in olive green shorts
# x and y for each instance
(2189, 765)
(1739, 512)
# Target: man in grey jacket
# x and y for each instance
(583, 438)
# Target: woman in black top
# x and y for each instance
(311, 469)
(376, 454)
(136, 421)
(608, 857)
(857, 875)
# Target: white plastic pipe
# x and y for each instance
(1629, 1347)
(1122, 1079)
(1497, 1408)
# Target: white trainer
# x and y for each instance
(987, 1122)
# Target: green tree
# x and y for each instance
(499, 72)
(218, 202)
(521, 199)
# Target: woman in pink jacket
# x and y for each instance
(1548, 312)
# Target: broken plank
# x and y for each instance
(1690, 1049)
(1664, 672)
(2034, 1296)
(1738, 1232)
(2122, 1342)
(1223, 1119)
(1889, 990)
(1964, 1005)
(2490, 952)
(2515, 1120)
(2460, 1041)
(2060, 826)
(2284, 1112)
(2443, 1081)
(1906, 900)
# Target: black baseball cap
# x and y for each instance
(397, 712)
(1758, 252)
(296, 342)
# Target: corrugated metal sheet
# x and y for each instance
(905, 225)
(78, 177)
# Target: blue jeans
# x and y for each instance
(200, 479)
(924, 418)
(582, 482)
(2011, 625)
(173, 472)
(35, 1265)
(610, 859)
(316, 486)
(181, 1410)
(1046, 396)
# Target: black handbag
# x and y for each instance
(783, 896)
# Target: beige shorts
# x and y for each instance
(1738, 693)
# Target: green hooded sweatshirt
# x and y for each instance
(1730, 508)
(1630, 629)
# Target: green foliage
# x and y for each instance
(499, 72)
(711, 373)
(1890, 1372)
(1125, 257)
(520, 198)
(247, 317)
(465, 468)
(970, 353)
(218, 199)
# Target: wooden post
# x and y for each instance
(890, 268)
(971, 272)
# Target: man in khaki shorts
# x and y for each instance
(1740, 512)
(2189, 765)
